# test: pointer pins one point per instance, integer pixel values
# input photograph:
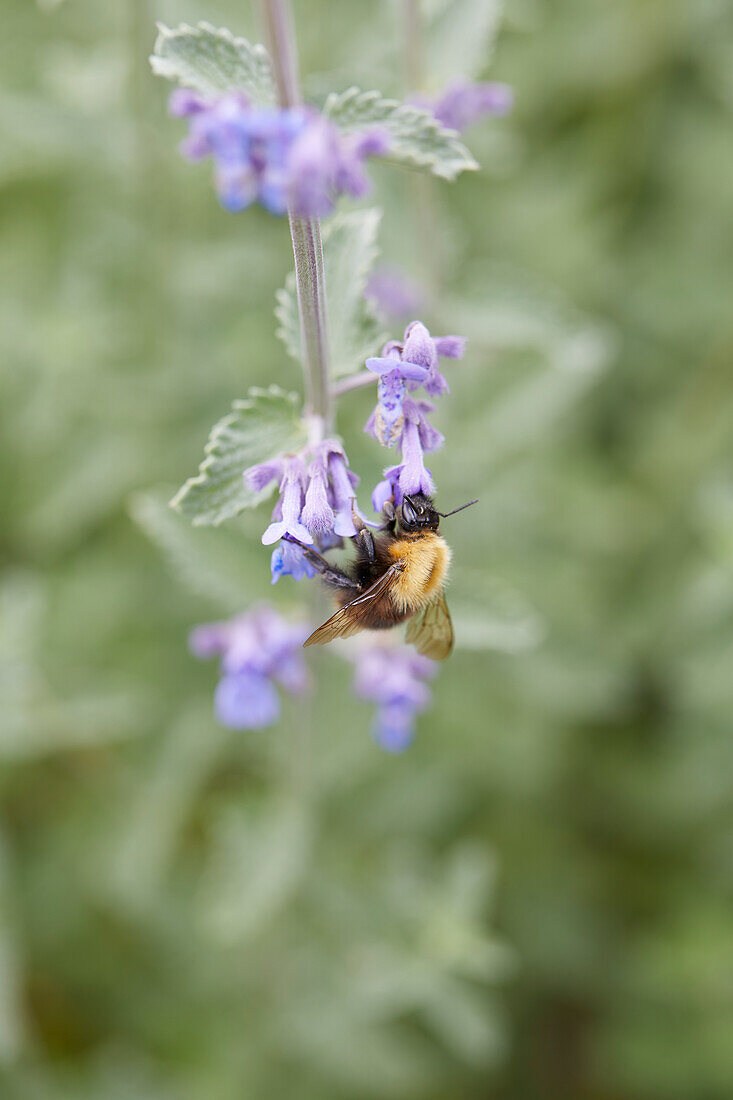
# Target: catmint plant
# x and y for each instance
(306, 161)
(259, 651)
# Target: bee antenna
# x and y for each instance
(452, 513)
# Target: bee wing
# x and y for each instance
(349, 619)
(431, 630)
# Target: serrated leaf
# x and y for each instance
(213, 61)
(417, 138)
(354, 332)
(459, 38)
(216, 564)
(264, 425)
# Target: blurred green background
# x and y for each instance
(535, 900)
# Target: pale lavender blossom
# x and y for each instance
(464, 102)
(258, 651)
(400, 419)
(316, 504)
(290, 158)
(292, 492)
(324, 163)
(394, 372)
(394, 678)
(288, 560)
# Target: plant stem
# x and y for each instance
(413, 44)
(305, 232)
(423, 204)
(353, 382)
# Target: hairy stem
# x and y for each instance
(305, 232)
(422, 194)
(353, 382)
(412, 24)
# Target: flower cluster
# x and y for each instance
(257, 650)
(464, 102)
(316, 503)
(393, 677)
(400, 419)
(292, 158)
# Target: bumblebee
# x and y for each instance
(398, 574)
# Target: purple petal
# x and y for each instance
(209, 640)
(288, 560)
(419, 348)
(464, 103)
(436, 384)
(292, 673)
(317, 513)
(371, 425)
(450, 347)
(313, 164)
(260, 476)
(277, 531)
(184, 103)
(373, 143)
(246, 701)
(413, 371)
(382, 364)
(393, 728)
(383, 492)
(414, 477)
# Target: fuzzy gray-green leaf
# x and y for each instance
(264, 425)
(213, 61)
(416, 137)
(349, 252)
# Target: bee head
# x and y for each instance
(416, 513)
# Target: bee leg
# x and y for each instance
(332, 576)
(365, 543)
(364, 537)
(389, 517)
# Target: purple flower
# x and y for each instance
(325, 163)
(283, 158)
(414, 477)
(393, 373)
(316, 503)
(288, 560)
(343, 483)
(246, 701)
(318, 515)
(401, 419)
(291, 504)
(395, 296)
(463, 103)
(257, 650)
(394, 678)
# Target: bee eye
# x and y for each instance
(408, 512)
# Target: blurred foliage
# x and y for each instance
(536, 899)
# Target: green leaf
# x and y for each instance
(218, 564)
(266, 424)
(417, 138)
(213, 61)
(349, 251)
